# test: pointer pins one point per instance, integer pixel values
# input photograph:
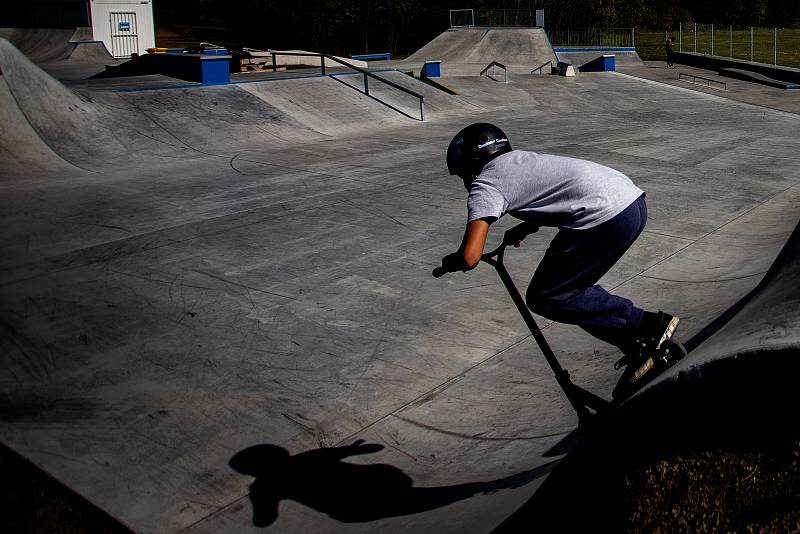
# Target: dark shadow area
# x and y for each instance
(34, 502)
(746, 404)
(347, 492)
(566, 444)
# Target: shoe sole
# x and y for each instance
(671, 327)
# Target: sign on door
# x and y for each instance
(124, 35)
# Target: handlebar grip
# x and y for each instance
(517, 233)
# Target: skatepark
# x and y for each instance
(218, 312)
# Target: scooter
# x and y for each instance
(586, 404)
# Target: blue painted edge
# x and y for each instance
(628, 49)
(431, 69)
(215, 70)
(365, 57)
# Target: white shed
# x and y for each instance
(125, 26)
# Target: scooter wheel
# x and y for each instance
(672, 352)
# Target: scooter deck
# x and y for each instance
(670, 353)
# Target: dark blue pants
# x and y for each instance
(564, 287)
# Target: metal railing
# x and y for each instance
(492, 66)
(708, 81)
(776, 46)
(540, 67)
(366, 74)
(493, 18)
(595, 37)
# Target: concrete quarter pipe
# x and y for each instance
(467, 51)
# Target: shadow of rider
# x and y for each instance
(350, 493)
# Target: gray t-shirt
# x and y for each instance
(550, 190)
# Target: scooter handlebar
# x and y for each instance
(512, 236)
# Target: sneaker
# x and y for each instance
(640, 358)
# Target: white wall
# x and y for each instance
(145, 29)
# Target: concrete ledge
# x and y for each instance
(565, 69)
(741, 74)
(604, 63)
(190, 67)
(784, 74)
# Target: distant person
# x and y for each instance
(669, 47)
(599, 213)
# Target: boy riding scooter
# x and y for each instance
(599, 213)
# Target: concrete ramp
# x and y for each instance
(51, 46)
(465, 52)
(92, 129)
(757, 77)
(22, 150)
(40, 45)
(90, 52)
(64, 54)
(581, 56)
(72, 126)
(95, 129)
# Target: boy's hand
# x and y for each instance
(450, 264)
(515, 235)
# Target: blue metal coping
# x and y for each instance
(431, 69)
(628, 49)
(387, 56)
(215, 69)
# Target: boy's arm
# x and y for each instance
(469, 253)
(474, 240)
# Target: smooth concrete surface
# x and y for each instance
(193, 272)
(739, 90)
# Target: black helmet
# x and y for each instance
(475, 146)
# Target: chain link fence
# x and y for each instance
(775, 46)
(493, 18)
(594, 37)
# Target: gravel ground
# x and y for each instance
(719, 491)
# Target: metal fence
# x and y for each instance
(466, 18)
(775, 46)
(595, 37)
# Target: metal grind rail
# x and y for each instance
(706, 81)
(492, 66)
(367, 75)
(540, 67)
